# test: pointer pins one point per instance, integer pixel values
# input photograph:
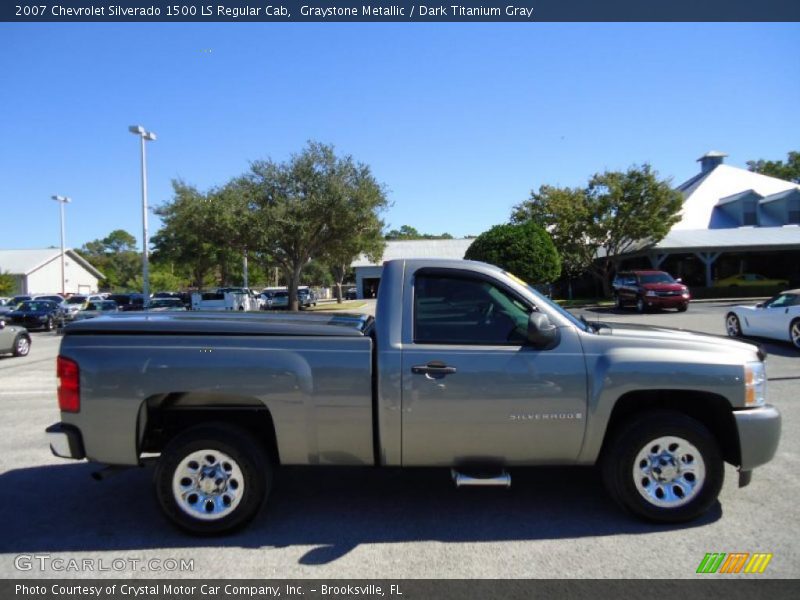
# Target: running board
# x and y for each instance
(503, 479)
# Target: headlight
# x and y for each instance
(650, 293)
(755, 384)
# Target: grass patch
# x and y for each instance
(579, 302)
(333, 306)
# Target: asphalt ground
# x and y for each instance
(370, 523)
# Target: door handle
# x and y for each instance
(433, 368)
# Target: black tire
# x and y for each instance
(683, 307)
(22, 345)
(668, 445)
(641, 307)
(618, 303)
(49, 324)
(231, 445)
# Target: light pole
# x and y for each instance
(146, 136)
(62, 200)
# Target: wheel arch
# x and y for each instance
(712, 410)
(163, 417)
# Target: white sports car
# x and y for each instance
(777, 318)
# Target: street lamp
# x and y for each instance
(148, 136)
(62, 200)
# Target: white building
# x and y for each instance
(368, 273)
(39, 271)
(732, 221)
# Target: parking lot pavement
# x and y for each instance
(372, 523)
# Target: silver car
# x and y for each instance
(14, 340)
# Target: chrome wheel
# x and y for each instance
(640, 305)
(732, 325)
(208, 485)
(669, 472)
(22, 346)
(794, 333)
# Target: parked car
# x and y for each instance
(6, 305)
(35, 314)
(351, 294)
(95, 309)
(14, 340)
(162, 304)
(266, 299)
(128, 302)
(650, 289)
(306, 297)
(72, 305)
(747, 279)
(280, 299)
(778, 318)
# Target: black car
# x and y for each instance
(35, 314)
(127, 302)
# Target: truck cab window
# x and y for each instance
(461, 310)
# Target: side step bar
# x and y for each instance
(502, 479)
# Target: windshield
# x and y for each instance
(783, 300)
(76, 300)
(656, 278)
(36, 306)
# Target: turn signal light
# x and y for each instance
(69, 385)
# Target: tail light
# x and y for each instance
(69, 385)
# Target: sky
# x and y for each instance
(458, 121)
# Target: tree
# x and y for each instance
(407, 232)
(8, 283)
(788, 171)
(627, 210)
(305, 208)
(524, 249)
(615, 213)
(115, 256)
(193, 233)
(564, 213)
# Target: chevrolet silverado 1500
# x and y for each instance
(464, 367)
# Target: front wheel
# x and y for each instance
(683, 307)
(732, 325)
(49, 324)
(212, 479)
(640, 305)
(664, 466)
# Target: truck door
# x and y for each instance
(474, 390)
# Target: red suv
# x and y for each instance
(650, 289)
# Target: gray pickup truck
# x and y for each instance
(465, 367)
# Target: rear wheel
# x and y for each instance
(732, 325)
(664, 466)
(640, 305)
(49, 324)
(212, 479)
(22, 345)
(618, 304)
(794, 333)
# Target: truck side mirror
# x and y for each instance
(542, 333)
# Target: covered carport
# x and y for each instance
(723, 252)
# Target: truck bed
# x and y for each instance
(313, 373)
